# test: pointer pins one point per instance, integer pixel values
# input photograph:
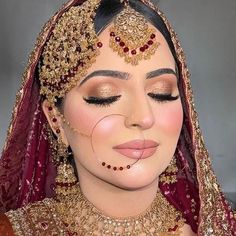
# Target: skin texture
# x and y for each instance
(135, 115)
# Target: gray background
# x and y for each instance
(208, 34)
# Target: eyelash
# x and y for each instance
(102, 101)
(163, 97)
(108, 101)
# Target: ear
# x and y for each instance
(54, 120)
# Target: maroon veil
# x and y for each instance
(27, 172)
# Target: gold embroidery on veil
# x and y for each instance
(210, 194)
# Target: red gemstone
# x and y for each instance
(112, 34)
(152, 36)
(133, 52)
(142, 49)
(117, 39)
(99, 44)
(81, 64)
(146, 46)
(64, 79)
(66, 224)
(128, 166)
(109, 167)
(114, 168)
(44, 225)
(70, 74)
(121, 168)
(104, 163)
(78, 49)
(126, 49)
(122, 44)
(54, 120)
(50, 108)
(150, 42)
(58, 131)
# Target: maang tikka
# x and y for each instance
(131, 37)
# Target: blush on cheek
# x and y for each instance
(108, 127)
(170, 118)
(99, 124)
(82, 119)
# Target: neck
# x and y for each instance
(113, 200)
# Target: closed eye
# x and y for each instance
(163, 97)
(102, 101)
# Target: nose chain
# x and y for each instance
(103, 163)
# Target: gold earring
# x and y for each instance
(169, 176)
(66, 181)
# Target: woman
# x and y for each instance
(107, 91)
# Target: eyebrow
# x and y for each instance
(125, 76)
(108, 73)
(159, 72)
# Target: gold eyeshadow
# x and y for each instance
(161, 87)
(103, 90)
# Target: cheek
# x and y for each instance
(77, 114)
(170, 117)
(92, 121)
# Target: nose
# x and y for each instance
(140, 114)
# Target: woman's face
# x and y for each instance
(125, 115)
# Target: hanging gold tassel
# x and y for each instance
(66, 181)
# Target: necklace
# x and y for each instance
(82, 218)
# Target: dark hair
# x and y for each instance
(108, 9)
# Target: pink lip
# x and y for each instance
(137, 149)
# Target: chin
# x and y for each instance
(138, 177)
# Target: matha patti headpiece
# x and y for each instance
(131, 37)
(70, 51)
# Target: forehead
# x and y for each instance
(109, 59)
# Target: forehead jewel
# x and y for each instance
(132, 37)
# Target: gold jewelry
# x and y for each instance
(66, 181)
(131, 37)
(70, 50)
(169, 176)
(82, 218)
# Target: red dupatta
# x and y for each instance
(27, 173)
